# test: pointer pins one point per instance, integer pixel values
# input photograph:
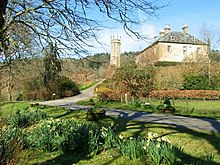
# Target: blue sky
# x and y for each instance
(192, 12)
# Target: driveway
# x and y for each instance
(179, 121)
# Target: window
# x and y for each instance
(172, 38)
(198, 50)
(184, 49)
(169, 49)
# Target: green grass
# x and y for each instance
(87, 85)
(196, 145)
(191, 108)
(8, 108)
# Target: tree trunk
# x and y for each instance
(3, 4)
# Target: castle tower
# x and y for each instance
(115, 52)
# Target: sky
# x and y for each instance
(194, 13)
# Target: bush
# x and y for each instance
(196, 82)
(138, 81)
(26, 117)
(107, 94)
(64, 87)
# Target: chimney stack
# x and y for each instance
(167, 29)
(162, 33)
(185, 29)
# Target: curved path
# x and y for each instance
(179, 121)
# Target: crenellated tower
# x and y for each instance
(115, 52)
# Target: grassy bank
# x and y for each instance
(196, 146)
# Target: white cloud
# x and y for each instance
(128, 43)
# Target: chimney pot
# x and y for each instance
(185, 29)
(162, 33)
(167, 29)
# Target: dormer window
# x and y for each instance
(182, 38)
(193, 39)
(172, 38)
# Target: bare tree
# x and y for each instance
(72, 24)
(208, 35)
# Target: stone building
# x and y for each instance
(174, 47)
(115, 52)
(114, 57)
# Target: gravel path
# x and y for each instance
(179, 121)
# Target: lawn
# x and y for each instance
(196, 146)
(191, 108)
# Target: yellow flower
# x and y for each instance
(121, 136)
(158, 145)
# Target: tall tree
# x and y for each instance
(70, 23)
(52, 65)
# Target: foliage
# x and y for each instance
(190, 94)
(26, 117)
(10, 145)
(170, 77)
(65, 135)
(214, 56)
(135, 80)
(134, 148)
(107, 94)
(87, 85)
(196, 82)
(161, 151)
(52, 66)
(95, 114)
(109, 137)
(65, 87)
(215, 80)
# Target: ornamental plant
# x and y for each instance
(134, 148)
(66, 135)
(10, 144)
(26, 117)
(161, 151)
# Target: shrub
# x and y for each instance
(26, 117)
(19, 97)
(138, 81)
(64, 87)
(67, 87)
(107, 94)
(198, 94)
(197, 82)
